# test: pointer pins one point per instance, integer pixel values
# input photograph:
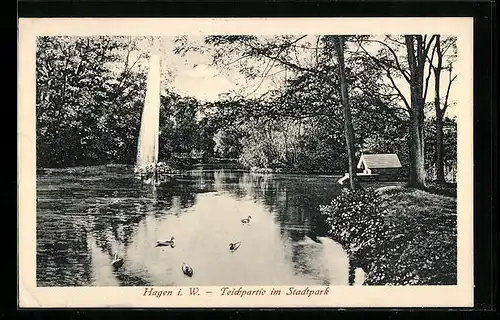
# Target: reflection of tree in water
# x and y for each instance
(295, 202)
(62, 257)
(299, 255)
(108, 206)
(187, 200)
(229, 181)
(200, 181)
(185, 193)
(127, 279)
(118, 223)
(300, 204)
(112, 212)
(305, 252)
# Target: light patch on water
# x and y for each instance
(359, 277)
(336, 261)
(202, 236)
(102, 270)
(275, 246)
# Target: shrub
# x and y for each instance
(356, 220)
(448, 189)
(398, 236)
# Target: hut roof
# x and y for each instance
(374, 161)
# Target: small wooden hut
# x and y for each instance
(377, 167)
(381, 164)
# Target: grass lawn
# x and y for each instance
(421, 247)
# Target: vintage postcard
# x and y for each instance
(319, 162)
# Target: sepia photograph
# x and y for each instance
(295, 164)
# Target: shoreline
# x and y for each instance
(195, 166)
(420, 246)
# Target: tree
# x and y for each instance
(441, 47)
(89, 95)
(417, 54)
(346, 108)
(411, 67)
(297, 55)
(449, 146)
(179, 126)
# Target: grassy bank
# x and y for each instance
(398, 235)
(421, 247)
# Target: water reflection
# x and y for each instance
(84, 215)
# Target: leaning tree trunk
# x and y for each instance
(346, 110)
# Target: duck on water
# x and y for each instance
(234, 246)
(247, 220)
(166, 243)
(117, 262)
(187, 270)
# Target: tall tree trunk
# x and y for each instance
(439, 149)
(416, 60)
(346, 110)
(416, 147)
(439, 160)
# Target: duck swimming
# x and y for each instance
(165, 243)
(247, 220)
(234, 246)
(187, 270)
(117, 262)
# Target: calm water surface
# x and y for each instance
(84, 215)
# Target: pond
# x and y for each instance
(86, 214)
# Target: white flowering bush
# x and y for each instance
(404, 237)
(356, 220)
(161, 168)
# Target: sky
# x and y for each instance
(194, 76)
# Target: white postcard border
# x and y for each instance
(30, 295)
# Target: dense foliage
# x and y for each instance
(397, 236)
(449, 148)
(421, 248)
(87, 107)
(356, 220)
(90, 95)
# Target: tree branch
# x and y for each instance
(287, 63)
(410, 47)
(450, 44)
(236, 60)
(431, 67)
(407, 105)
(394, 40)
(447, 94)
(428, 45)
(392, 112)
(317, 45)
(398, 67)
(266, 71)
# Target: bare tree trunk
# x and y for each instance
(439, 149)
(416, 129)
(439, 160)
(346, 109)
(416, 147)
